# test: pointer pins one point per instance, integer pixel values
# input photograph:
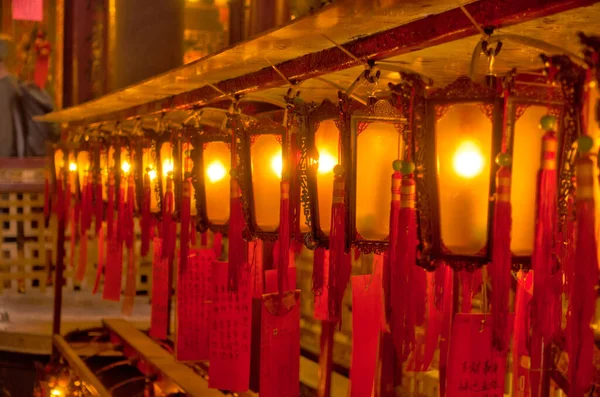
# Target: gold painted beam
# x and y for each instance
(151, 352)
(85, 374)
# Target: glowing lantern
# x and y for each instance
(266, 164)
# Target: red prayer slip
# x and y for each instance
(159, 317)
(114, 270)
(230, 331)
(28, 10)
(194, 288)
(280, 345)
(477, 369)
(366, 326)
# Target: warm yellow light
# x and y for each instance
(277, 165)
(56, 393)
(167, 166)
(468, 160)
(326, 162)
(72, 166)
(215, 171)
(152, 175)
(126, 167)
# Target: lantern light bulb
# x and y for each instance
(216, 171)
(167, 166)
(72, 166)
(152, 175)
(326, 162)
(468, 160)
(56, 392)
(277, 165)
(126, 167)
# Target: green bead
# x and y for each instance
(285, 175)
(548, 122)
(187, 153)
(233, 173)
(338, 170)
(187, 175)
(503, 160)
(397, 165)
(408, 167)
(585, 143)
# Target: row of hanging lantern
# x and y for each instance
(322, 178)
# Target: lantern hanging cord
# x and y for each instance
(473, 21)
(220, 91)
(345, 51)
(279, 72)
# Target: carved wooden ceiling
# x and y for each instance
(408, 34)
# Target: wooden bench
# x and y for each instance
(159, 359)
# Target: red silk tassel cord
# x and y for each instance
(583, 293)
(167, 221)
(146, 220)
(284, 239)
(340, 265)
(500, 269)
(236, 240)
(184, 234)
(406, 289)
(546, 303)
(110, 209)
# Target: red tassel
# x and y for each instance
(146, 221)
(167, 221)
(184, 235)
(284, 238)
(110, 209)
(500, 268)
(129, 211)
(204, 240)
(546, 305)
(59, 208)
(403, 259)
(236, 241)
(395, 280)
(340, 264)
(75, 211)
(318, 275)
(99, 205)
(89, 203)
(583, 293)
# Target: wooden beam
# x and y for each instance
(159, 359)
(423, 33)
(82, 370)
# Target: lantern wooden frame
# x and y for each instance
(313, 116)
(199, 139)
(527, 91)
(461, 91)
(248, 130)
(382, 111)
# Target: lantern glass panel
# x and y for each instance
(166, 157)
(378, 145)
(527, 146)
(463, 138)
(216, 167)
(83, 166)
(150, 169)
(267, 162)
(327, 139)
